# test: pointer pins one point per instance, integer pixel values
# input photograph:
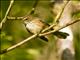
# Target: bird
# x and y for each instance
(35, 25)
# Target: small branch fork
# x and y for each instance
(7, 12)
(43, 33)
(18, 18)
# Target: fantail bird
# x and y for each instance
(35, 25)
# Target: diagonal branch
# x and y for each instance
(72, 22)
(34, 7)
(60, 13)
(18, 44)
(7, 12)
(35, 35)
(57, 17)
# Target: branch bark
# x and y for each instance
(72, 22)
(7, 12)
(18, 44)
(57, 17)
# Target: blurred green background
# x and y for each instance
(14, 31)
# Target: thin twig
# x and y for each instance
(32, 10)
(60, 13)
(72, 22)
(14, 18)
(35, 35)
(26, 16)
(7, 12)
(18, 44)
(57, 17)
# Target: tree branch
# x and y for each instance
(7, 12)
(18, 44)
(32, 10)
(35, 35)
(26, 16)
(57, 17)
(72, 22)
(14, 18)
(34, 7)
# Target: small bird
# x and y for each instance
(35, 25)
